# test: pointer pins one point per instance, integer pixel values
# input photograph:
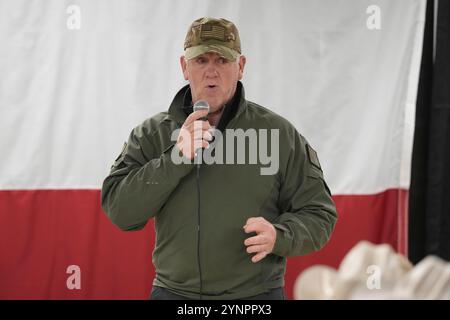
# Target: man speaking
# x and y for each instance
(223, 228)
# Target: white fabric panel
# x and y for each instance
(69, 98)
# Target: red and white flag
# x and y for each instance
(75, 79)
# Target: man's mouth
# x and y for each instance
(212, 89)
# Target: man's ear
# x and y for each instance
(242, 61)
(183, 64)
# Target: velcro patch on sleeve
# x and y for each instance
(313, 158)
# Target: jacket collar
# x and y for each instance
(181, 106)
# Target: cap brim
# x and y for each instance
(223, 51)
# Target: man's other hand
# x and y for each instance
(262, 244)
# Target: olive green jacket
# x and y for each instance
(145, 183)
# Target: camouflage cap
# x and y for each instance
(212, 35)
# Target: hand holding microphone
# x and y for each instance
(195, 132)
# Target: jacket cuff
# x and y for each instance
(283, 240)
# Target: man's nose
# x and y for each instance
(211, 71)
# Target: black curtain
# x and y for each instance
(429, 202)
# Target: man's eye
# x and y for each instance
(223, 60)
(200, 60)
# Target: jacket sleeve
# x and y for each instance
(140, 182)
(308, 212)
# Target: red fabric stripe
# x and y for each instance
(45, 231)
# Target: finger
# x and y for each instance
(202, 134)
(198, 124)
(205, 144)
(259, 239)
(196, 115)
(197, 134)
(184, 133)
(255, 249)
(259, 256)
(255, 227)
(212, 129)
(207, 136)
(199, 144)
(254, 220)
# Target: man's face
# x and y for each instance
(212, 78)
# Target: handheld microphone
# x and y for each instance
(202, 105)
